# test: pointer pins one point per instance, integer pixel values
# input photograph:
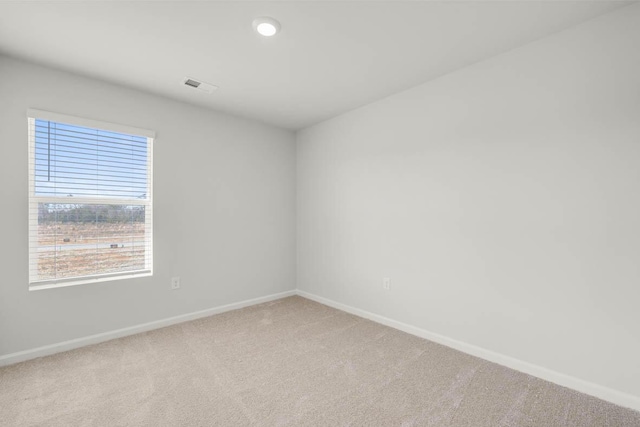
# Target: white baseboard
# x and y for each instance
(592, 389)
(601, 392)
(46, 350)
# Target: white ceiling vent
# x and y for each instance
(197, 84)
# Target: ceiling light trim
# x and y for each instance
(266, 26)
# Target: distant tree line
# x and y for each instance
(78, 213)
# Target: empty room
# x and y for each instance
(320, 213)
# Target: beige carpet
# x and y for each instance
(289, 362)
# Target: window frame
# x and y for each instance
(34, 200)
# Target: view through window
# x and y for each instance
(90, 214)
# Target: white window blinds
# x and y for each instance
(90, 200)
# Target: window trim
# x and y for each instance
(110, 277)
(33, 200)
(96, 124)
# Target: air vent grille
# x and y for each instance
(197, 84)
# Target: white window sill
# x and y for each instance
(83, 281)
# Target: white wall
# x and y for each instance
(224, 210)
(502, 200)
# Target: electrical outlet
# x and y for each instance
(386, 283)
(175, 283)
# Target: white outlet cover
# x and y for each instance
(175, 283)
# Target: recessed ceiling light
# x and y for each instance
(266, 26)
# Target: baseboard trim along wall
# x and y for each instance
(601, 392)
(47, 350)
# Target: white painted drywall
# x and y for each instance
(224, 210)
(502, 200)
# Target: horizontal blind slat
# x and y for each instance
(80, 130)
(78, 166)
(43, 141)
(96, 157)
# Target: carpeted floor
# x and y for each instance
(288, 362)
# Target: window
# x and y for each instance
(90, 201)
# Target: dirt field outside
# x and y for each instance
(78, 249)
(59, 233)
